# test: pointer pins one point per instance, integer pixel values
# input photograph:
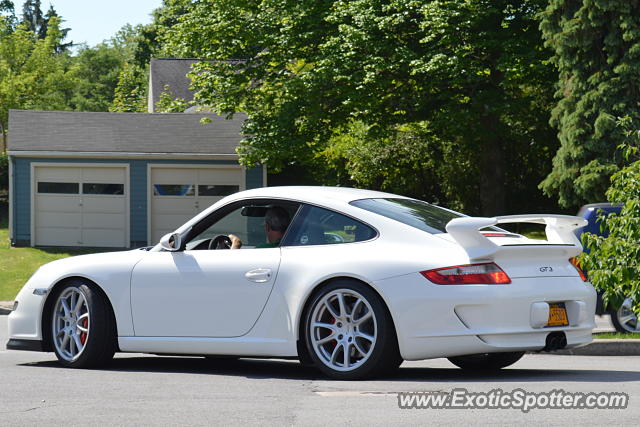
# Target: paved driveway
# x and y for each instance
(150, 390)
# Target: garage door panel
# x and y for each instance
(102, 221)
(169, 221)
(58, 203)
(57, 236)
(219, 176)
(58, 174)
(98, 219)
(206, 202)
(177, 205)
(104, 175)
(104, 204)
(100, 238)
(170, 210)
(54, 220)
(174, 176)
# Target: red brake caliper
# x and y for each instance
(83, 335)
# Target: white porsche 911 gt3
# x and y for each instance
(351, 281)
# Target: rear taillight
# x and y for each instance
(470, 274)
(576, 264)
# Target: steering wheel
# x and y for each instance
(220, 242)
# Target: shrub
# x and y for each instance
(613, 263)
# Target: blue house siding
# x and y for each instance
(138, 202)
(255, 178)
(138, 185)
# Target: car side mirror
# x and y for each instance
(171, 242)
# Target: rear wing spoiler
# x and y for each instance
(559, 230)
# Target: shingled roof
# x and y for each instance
(81, 132)
(169, 73)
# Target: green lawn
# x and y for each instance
(615, 335)
(18, 264)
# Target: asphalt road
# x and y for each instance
(149, 390)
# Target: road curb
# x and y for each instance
(604, 347)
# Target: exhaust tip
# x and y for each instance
(555, 341)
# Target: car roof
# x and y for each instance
(314, 193)
(337, 198)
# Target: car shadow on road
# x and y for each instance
(291, 369)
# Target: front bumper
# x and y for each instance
(26, 345)
(453, 320)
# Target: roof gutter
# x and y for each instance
(120, 155)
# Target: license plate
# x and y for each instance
(557, 315)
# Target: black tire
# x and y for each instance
(100, 341)
(383, 354)
(486, 361)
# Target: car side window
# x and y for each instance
(248, 229)
(246, 220)
(318, 226)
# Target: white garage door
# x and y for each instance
(80, 206)
(178, 193)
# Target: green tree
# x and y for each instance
(32, 74)
(97, 70)
(411, 161)
(38, 22)
(151, 37)
(130, 94)
(613, 262)
(7, 9)
(596, 45)
(169, 104)
(474, 71)
(33, 18)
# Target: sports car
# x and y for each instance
(350, 281)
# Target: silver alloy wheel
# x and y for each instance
(71, 319)
(343, 330)
(626, 317)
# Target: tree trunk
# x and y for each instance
(492, 170)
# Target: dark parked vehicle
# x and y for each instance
(623, 317)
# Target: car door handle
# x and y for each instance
(259, 275)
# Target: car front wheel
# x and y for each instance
(82, 327)
(349, 333)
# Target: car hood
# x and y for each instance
(92, 266)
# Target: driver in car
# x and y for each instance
(276, 221)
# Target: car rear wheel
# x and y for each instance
(349, 333)
(486, 361)
(624, 319)
(82, 326)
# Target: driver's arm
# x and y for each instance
(236, 243)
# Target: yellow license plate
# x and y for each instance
(557, 315)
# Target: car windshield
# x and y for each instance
(415, 213)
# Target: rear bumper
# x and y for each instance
(26, 345)
(453, 320)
